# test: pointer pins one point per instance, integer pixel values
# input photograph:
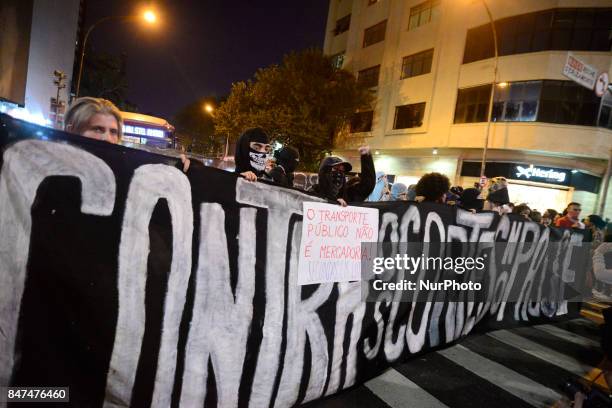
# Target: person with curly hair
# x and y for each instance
(433, 187)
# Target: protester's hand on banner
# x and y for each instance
(342, 202)
(249, 175)
(363, 150)
(186, 162)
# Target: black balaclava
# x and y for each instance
(331, 183)
(248, 159)
(287, 157)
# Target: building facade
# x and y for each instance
(432, 65)
(52, 28)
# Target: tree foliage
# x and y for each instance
(104, 76)
(195, 128)
(304, 102)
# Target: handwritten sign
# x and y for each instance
(331, 250)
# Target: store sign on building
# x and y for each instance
(579, 71)
(143, 131)
(543, 175)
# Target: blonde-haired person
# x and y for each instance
(100, 119)
(95, 118)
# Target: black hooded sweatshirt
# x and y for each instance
(355, 192)
(287, 160)
(247, 159)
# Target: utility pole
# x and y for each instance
(58, 106)
(492, 93)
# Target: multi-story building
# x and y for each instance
(432, 65)
(37, 37)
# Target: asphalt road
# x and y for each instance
(522, 367)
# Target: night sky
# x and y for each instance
(201, 46)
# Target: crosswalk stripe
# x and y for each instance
(583, 327)
(567, 335)
(586, 355)
(511, 381)
(455, 385)
(541, 371)
(519, 367)
(399, 392)
(560, 360)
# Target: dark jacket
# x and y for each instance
(280, 177)
(355, 192)
(287, 160)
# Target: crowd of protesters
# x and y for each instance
(255, 160)
(100, 119)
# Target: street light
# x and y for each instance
(148, 16)
(210, 109)
(490, 110)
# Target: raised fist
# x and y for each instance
(364, 150)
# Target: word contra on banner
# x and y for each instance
(330, 249)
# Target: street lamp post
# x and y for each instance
(148, 16)
(490, 110)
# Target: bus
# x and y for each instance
(139, 129)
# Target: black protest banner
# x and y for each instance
(135, 284)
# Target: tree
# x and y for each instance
(195, 128)
(304, 102)
(104, 76)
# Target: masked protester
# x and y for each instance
(332, 179)
(252, 152)
(470, 200)
(497, 198)
(287, 160)
(399, 192)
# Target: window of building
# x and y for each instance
(472, 104)
(479, 44)
(417, 64)
(583, 29)
(343, 25)
(549, 101)
(369, 77)
(374, 34)
(516, 102)
(424, 13)
(605, 117)
(337, 60)
(409, 116)
(362, 121)
(568, 103)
